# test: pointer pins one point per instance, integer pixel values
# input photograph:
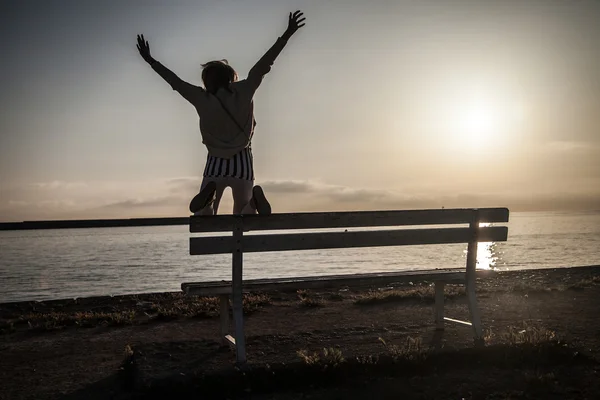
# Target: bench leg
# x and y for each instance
(470, 283)
(238, 299)
(238, 321)
(475, 315)
(224, 300)
(439, 305)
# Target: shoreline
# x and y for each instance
(158, 293)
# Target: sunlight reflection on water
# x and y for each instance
(488, 255)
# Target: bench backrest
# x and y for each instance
(329, 240)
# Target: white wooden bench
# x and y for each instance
(236, 244)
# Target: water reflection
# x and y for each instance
(488, 255)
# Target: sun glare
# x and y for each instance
(479, 119)
(471, 119)
(482, 122)
(478, 124)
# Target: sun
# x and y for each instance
(475, 119)
(478, 124)
(479, 119)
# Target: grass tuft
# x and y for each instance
(328, 357)
(255, 301)
(367, 360)
(127, 373)
(538, 377)
(411, 350)
(529, 334)
(306, 300)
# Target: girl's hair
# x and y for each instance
(217, 74)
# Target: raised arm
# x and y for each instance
(263, 66)
(187, 90)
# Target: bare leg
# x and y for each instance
(206, 210)
(242, 196)
(222, 184)
(213, 206)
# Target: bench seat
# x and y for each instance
(380, 279)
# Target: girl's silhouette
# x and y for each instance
(226, 110)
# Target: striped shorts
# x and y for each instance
(240, 166)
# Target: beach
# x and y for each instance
(542, 340)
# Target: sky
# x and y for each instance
(372, 105)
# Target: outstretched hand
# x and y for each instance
(144, 49)
(295, 22)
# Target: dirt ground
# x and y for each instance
(541, 328)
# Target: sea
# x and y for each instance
(71, 263)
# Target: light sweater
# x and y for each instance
(220, 134)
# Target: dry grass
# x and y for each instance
(537, 287)
(167, 306)
(584, 283)
(525, 333)
(311, 302)
(56, 320)
(368, 360)
(307, 300)
(528, 334)
(412, 349)
(488, 336)
(420, 293)
(538, 377)
(127, 371)
(426, 293)
(529, 287)
(328, 357)
(184, 307)
(255, 301)
(164, 307)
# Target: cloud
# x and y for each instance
(59, 185)
(145, 203)
(317, 196)
(565, 146)
(186, 184)
(97, 199)
(170, 197)
(291, 186)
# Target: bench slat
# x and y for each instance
(322, 220)
(339, 240)
(330, 281)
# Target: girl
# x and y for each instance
(226, 110)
